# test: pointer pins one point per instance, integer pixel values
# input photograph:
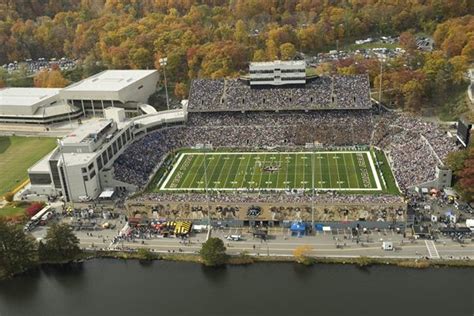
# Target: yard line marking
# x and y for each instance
(296, 169)
(321, 181)
(230, 169)
(433, 252)
(244, 173)
(209, 176)
(188, 173)
(355, 170)
(278, 174)
(193, 182)
(168, 177)
(374, 172)
(329, 171)
(262, 165)
(234, 182)
(337, 170)
(346, 171)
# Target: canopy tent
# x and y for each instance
(298, 228)
(107, 194)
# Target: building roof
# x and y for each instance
(84, 131)
(74, 159)
(110, 80)
(42, 166)
(26, 96)
(279, 62)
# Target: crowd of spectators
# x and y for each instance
(337, 92)
(242, 130)
(273, 197)
(415, 147)
(33, 66)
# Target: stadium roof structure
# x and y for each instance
(320, 93)
(85, 131)
(110, 80)
(279, 62)
(26, 96)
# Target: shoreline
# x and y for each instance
(245, 259)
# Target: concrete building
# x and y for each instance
(34, 105)
(81, 167)
(125, 89)
(277, 73)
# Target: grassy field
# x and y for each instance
(13, 210)
(351, 171)
(17, 154)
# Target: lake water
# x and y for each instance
(115, 287)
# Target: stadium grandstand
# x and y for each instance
(315, 145)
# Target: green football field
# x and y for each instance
(241, 171)
(17, 154)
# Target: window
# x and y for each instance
(104, 157)
(99, 163)
(84, 170)
(85, 178)
(90, 166)
(92, 175)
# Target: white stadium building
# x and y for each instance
(127, 89)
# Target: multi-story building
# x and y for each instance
(127, 89)
(80, 168)
(277, 73)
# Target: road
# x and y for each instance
(280, 243)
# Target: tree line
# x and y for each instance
(20, 251)
(213, 38)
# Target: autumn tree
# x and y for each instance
(408, 41)
(180, 90)
(287, 51)
(302, 254)
(50, 79)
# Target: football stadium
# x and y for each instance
(270, 147)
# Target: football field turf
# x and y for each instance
(241, 171)
(17, 154)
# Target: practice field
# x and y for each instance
(17, 154)
(241, 171)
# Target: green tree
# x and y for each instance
(240, 34)
(60, 243)
(455, 160)
(213, 252)
(287, 51)
(17, 250)
(145, 254)
(272, 50)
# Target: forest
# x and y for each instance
(217, 38)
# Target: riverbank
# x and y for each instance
(245, 259)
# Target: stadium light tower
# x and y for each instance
(163, 63)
